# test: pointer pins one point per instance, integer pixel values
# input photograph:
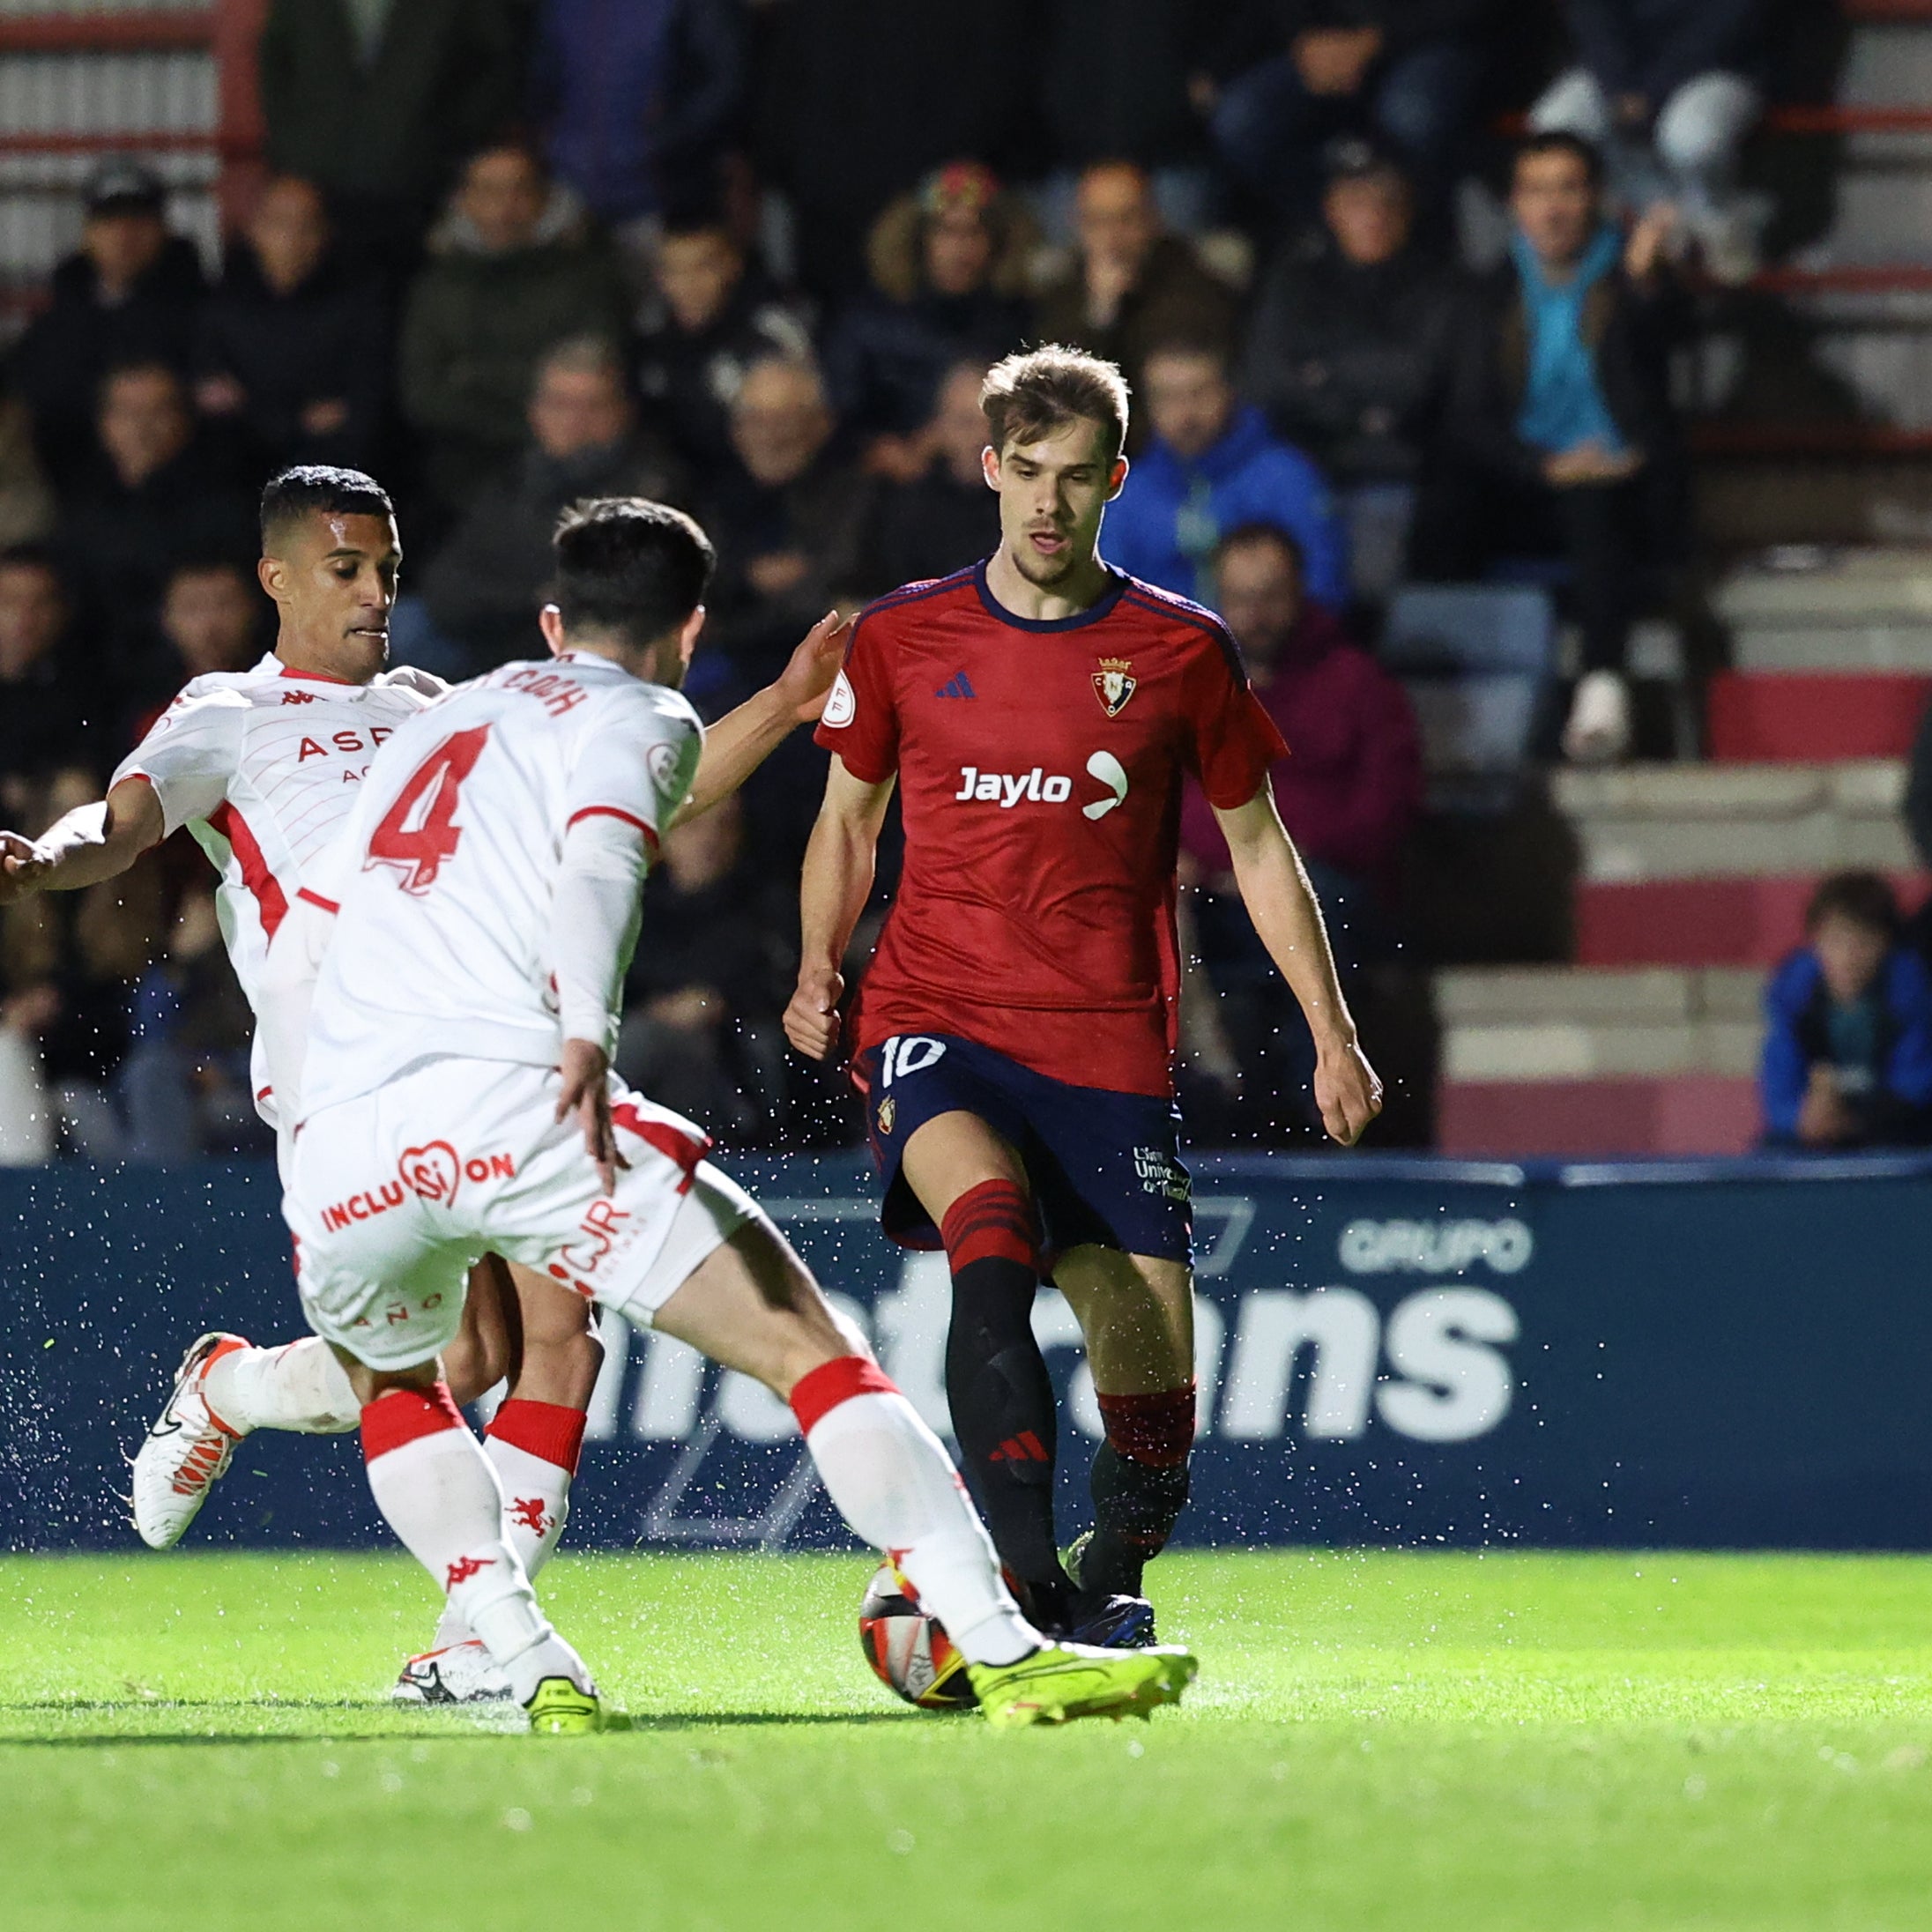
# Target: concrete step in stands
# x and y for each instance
(1711, 865)
(1572, 1061)
(1752, 717)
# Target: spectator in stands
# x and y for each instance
(1131, 286)
(49, 699)
(512, 273)
(788, 515)
(28, 1127)
(26, 504)
(702, 1002)
(376, 101)
(1350, 793)
(713, 316)
(292, 345)
(636, 102)
(1668, 90)
(128, 294)
(211, 619)
(944, 517)
(485, 586)
(1344, 353)
(184, 1088)
(1847, 1059)
(1212, 466)
(949, 266)
(159, 496)
(1119, 80)
(1558, 432)
(1407, 72)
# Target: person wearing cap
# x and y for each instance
(948, 270)
(130, 293)
(1344, 349)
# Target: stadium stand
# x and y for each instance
(1598, 937)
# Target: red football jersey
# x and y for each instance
(1040, 767)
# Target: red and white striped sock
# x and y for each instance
(437, 1491)
(534, 1448)
(299, 1386)
(897, 1487)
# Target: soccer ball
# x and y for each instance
(908, 1651)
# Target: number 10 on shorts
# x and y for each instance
(908, 1054)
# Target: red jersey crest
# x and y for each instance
(1114, 684)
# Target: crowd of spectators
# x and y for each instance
(751, 257)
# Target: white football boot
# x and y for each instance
(457, 1674)
(186, 1451)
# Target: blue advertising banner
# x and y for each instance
(1389, 1350)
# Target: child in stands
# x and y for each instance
(1847, 1059)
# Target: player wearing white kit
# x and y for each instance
(263, 767)
(457, 1100)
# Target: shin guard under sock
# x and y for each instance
(437, 1491)
(997, 1384)
(534, 1448)
(299, 1386)
(895, 1487)
(1140, 1486)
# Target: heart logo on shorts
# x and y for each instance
(433, 1171)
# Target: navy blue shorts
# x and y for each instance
(1105, 1168)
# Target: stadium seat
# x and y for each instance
(1478, 662)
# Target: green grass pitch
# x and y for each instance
(1430, 1743)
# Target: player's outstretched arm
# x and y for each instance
(839, 861)
(93, 843)
(741, 741)
(1275, 889)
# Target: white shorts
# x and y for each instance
(396, 1195)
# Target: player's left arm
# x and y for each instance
(741, 741)
(1275, 889)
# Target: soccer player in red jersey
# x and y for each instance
(1015, 1031)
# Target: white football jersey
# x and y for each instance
(263, 768)
(446, 876)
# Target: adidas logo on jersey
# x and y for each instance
(958, 686)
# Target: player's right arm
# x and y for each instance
(93, 843)
(839, 863)
(178, 772)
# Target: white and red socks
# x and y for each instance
(437, 1491)
(534, 1448)
(299, 1386)
(897, 1488)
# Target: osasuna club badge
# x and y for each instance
(1115, 683)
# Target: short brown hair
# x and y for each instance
(1862, 898)
(1029, 395)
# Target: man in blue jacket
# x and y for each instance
(1212, 467)
(1847, 1059)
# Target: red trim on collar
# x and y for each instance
(316, 677)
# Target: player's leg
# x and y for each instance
(972, 1183)
(1137, 1314)
(226, 1388)
(533, 1441)
(437, 1491)
(386, 1289)
(752, 1305)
